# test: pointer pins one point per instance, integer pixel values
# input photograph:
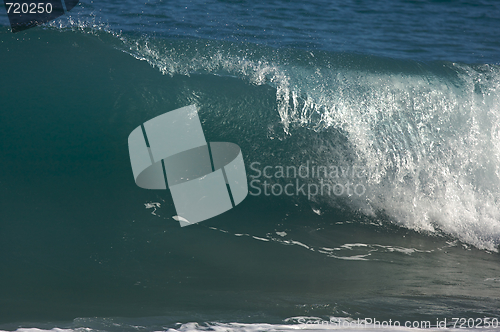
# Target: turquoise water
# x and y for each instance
(418, 119)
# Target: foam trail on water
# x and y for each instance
(313, 324)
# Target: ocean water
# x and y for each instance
(394, 106)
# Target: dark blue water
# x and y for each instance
(399, 101)
(459, 31)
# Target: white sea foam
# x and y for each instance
(291, 324)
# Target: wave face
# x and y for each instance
(417, 144)
(430, 130)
